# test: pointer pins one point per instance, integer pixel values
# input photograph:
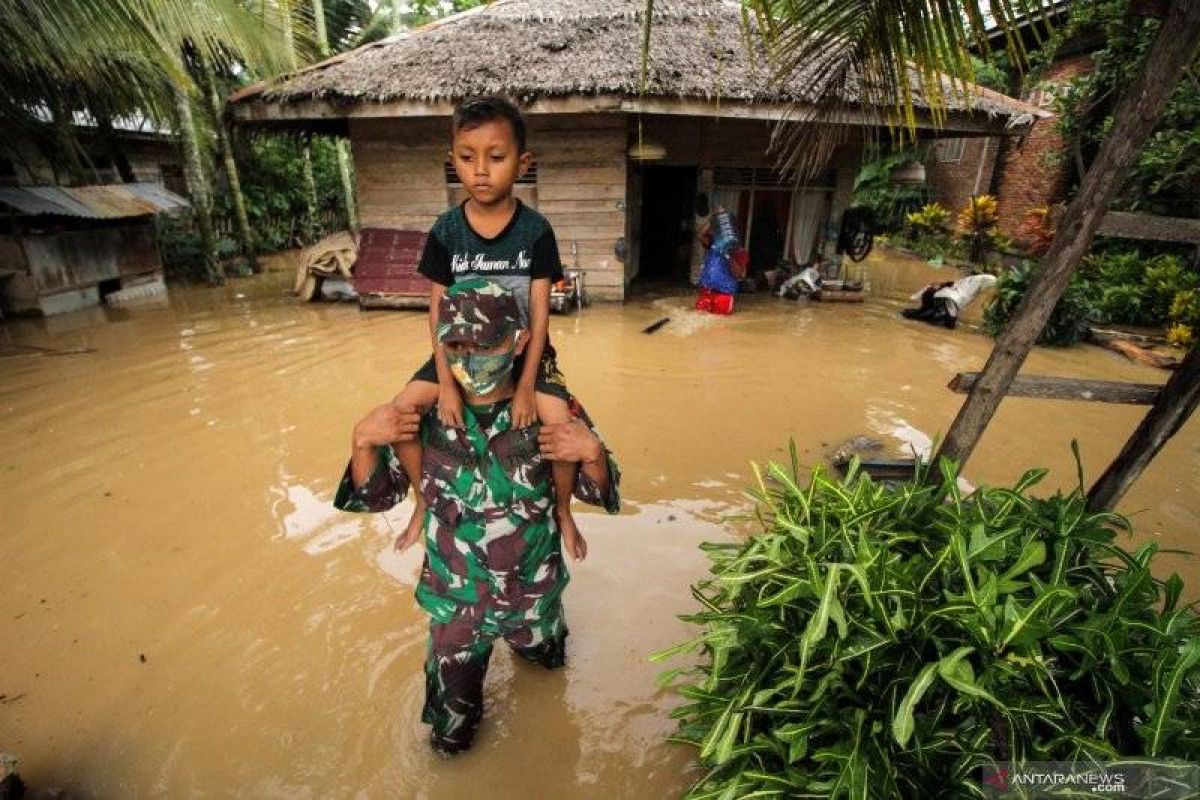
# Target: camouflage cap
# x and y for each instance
(478, 311)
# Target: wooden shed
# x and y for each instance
(618, 164)
(65, 248)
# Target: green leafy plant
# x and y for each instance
(1164, 177)
(1067, 323)
(889, 641)
(1166, 278)
(889, 202)
(1133, 288)
(932, 218)
(1185, 318)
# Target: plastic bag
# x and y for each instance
(716, 274)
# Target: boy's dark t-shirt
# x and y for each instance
(526, 249)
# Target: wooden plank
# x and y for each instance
(1138, 110)
(565, 190)
(604, 176)
(839, 296)
(607, 220)
(1128, 225)
(1175, 403)
(551, 207)
(1049, 388)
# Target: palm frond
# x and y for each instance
(868, 61)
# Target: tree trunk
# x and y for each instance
(344, 169)
(1137, 113)
(343, 155)
(310, 197)
(1175, 403)
(67, 166)
(245, 235)
(310, 184)
(197, 184)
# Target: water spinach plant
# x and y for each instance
(893, 641)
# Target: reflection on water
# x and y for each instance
(167, 497)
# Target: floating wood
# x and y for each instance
(656, 325)
(368, 301)
(1135, 352)
(883, 469)
(1175, 403)
(839, 296)
(1048, 388)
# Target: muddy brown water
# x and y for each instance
(167, 496)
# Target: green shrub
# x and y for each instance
(1068, 321)
(932, 218)
(1124, 303)
(1166, 277)
(181, 248)
(888, 201)
(1135, 289)
(875, 641)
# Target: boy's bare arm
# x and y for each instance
(539, 330)
(436, 292)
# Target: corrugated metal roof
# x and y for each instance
(110, 201)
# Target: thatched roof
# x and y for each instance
(535, 49)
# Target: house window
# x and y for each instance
(950, 151)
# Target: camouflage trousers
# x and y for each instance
(457, 663)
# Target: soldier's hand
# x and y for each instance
(386, 424)
(569, 441)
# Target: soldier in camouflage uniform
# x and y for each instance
(493, 564)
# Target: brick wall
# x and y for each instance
(1033, 170)
(955, 176)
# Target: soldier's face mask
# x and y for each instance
(481, 372)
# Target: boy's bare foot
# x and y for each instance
(412, 533)
(572, 539)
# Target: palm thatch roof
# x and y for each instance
(536, 49)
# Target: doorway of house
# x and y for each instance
(668, 216)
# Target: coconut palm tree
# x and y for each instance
(343, 154)
(127, 56)
(878, 52)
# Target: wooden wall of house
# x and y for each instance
(580, 185)
(399, 167)
(581, 190)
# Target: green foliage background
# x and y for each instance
(1166, 177)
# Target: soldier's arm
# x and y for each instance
(374, 480)
(598, 480)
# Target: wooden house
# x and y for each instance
(619, 162)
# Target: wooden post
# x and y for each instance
(1176, 402)
(1140, 107)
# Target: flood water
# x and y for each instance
(182, 613)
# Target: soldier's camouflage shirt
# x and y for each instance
(490, 534)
